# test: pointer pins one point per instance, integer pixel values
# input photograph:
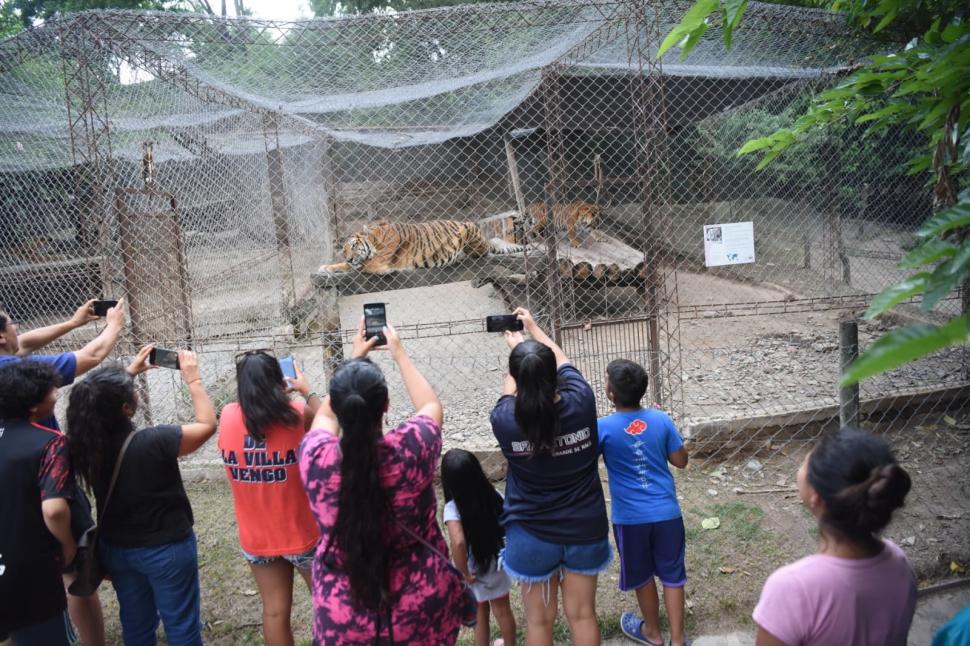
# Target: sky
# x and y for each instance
(274, 9)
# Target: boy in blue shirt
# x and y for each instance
(636, 444)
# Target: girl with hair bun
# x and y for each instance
(857, 588)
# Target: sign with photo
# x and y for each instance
(728, 244)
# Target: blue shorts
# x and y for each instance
(651, 549)
(299, 561)
(529, 559)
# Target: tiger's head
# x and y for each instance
(358, 250)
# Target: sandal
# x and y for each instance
(632, 627)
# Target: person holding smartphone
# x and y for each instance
(259, 440)
(376, 577)
(556, 530)
(146, 543)
(86, 612)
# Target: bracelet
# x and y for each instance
(310, 395)
(193, 381)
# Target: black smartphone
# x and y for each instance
(503, 322)
(375, 318)
(101, 307)
(164, 358)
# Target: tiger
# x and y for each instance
(386, 247)
(574, 217)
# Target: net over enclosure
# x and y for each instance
(247, 183)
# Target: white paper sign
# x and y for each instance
(728, 244)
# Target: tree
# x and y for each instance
(18, 14)
(923, 86)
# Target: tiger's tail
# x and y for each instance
(500, 246)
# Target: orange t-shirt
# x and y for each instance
(272, 509)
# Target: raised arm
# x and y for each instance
(301, 386)
(98, 349)
(539, 335)
(422, 395)
(34, 340)
(196, 434)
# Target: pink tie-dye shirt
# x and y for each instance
(422, 609)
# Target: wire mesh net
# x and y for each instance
(215, 172)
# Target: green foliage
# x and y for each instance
(27, 11)
(907, 344)
(923, 87)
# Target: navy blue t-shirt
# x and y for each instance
(557, 495)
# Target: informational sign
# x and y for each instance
(728, 244)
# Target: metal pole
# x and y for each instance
(848, 352)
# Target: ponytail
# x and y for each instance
(358, 395)
(97, 423)
(533, 366)
(858, 478)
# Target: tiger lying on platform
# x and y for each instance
(573, 217)
(385, 247)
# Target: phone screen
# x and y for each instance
(375, 318)
(286, 365)
(164, 358)
(101, 307)
(502, 322)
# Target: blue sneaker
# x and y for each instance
(632, 627)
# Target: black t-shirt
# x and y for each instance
(35, 468)
(556, 495)
(149, 506)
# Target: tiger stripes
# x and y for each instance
(386, 247)
(573, 217)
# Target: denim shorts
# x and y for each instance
(529, 559)
(299, 561)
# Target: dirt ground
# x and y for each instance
(762, 525)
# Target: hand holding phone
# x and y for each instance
(502, 323)
(375, 318)
(164, 358)
(288, 367)
(101, 307)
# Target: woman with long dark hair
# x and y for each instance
(473, 509)
(857, 588)
(259, 440)
(555, 513)
(146, 543)
(380, 575)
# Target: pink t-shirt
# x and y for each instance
(828, 600)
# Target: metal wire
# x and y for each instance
(205, 168)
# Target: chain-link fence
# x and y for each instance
(210, 170)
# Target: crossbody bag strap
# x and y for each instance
(114, 475)
(422, 540)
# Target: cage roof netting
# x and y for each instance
(387, 80)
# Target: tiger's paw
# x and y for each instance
(331, 270)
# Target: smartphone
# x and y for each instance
(288, 367)
(101, 307)
(375, 318)
(503, 322)
(164, 358)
